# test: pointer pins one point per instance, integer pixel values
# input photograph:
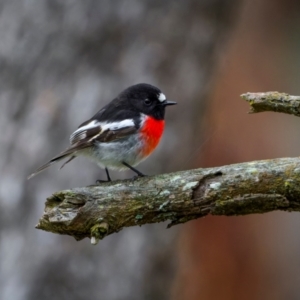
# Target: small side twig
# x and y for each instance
(273, 101)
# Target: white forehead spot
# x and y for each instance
(161, 97)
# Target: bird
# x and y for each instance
(121, 134)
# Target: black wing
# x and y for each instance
(98, 130)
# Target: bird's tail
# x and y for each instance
(65, 154)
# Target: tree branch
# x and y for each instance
(246, 188)
(273, 101)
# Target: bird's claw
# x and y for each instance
(137, 176)
(99, 181)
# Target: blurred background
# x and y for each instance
(60, 61)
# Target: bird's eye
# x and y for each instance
(147, 101)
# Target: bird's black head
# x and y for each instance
(147, 99)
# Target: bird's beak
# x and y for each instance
(167, 102)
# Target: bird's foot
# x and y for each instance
(103, 181)
(138, 176)
(99, 181)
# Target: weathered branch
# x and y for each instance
(246, 188)
(273, 101)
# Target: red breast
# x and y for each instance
(151, 131)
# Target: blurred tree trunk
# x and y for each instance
(240, 258)
(60, 62)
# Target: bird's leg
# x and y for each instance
(133, 169)
(107, 174)
(108, 177)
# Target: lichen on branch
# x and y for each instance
(246, 188)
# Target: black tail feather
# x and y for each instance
(68, 153)
(49, 163)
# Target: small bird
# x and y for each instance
(121, 134)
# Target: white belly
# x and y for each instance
(112, 154)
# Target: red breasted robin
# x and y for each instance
(122, 134)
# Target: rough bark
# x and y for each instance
(239, 189)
